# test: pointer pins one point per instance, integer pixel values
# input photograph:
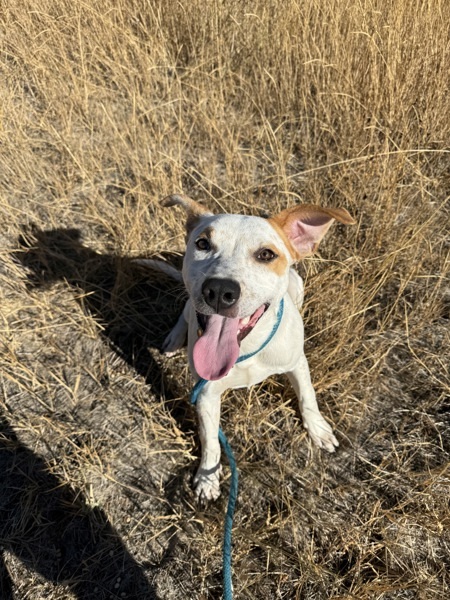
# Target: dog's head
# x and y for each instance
(237, 266)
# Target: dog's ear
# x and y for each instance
(306, 224)
(193, 209)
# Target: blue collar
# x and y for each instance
(271, 334)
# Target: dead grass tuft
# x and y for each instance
(250, 106)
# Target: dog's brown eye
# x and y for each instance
(266, 255)
(202, 244)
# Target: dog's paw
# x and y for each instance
(207, 484)
(174, 341)
(321, 434)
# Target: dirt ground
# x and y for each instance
(249, 107)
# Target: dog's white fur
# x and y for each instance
(236, 241)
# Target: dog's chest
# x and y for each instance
(254, 370)
(247, 375)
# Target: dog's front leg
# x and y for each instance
(318, 429)
(207, 479)
(177, 337)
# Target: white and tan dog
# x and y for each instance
(236, 270)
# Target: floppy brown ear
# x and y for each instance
(193, 209)
(306, 224)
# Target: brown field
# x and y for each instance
(249, 106)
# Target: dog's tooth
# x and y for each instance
(199, 332)
(245, 321)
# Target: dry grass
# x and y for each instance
(251, 106)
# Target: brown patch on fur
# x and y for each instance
(279, 264)
(273, 222)
(283, 220)
(303, 210)
(207, 233)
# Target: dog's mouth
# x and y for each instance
(217, 348)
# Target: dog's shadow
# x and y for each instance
(136, 306)
(49, 526)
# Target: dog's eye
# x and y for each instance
(202, 244)
(266, 255)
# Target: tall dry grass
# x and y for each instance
(250, 107)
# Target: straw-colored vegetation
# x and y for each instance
(250, 106)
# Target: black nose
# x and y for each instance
(221, 294)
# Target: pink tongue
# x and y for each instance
(216, 351)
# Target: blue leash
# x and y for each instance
(232, 496)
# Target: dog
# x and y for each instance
(238, 272)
